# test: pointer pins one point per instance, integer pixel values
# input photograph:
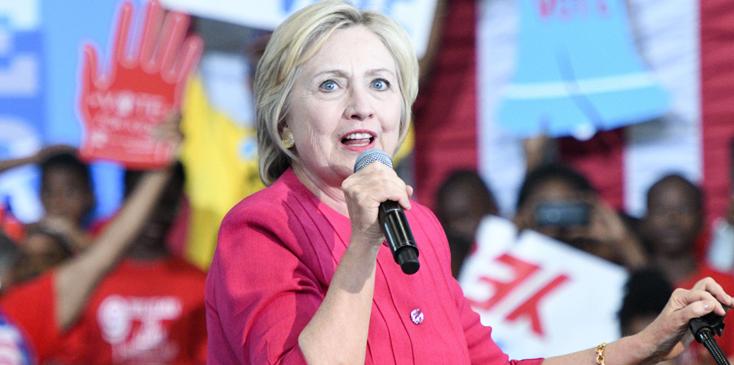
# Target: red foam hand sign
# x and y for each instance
(121, 109)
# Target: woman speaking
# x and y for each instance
(301, 273)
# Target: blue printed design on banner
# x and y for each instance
(21, 105)
(577, 72)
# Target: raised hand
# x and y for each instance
(121, 108)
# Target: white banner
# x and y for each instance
(540, 296)
(416, 16)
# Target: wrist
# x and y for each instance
(628, 350)
(366, 238)
(363, 246)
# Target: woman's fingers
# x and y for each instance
(710, 285)
(366, 189)
(695, 303)
(379, 183)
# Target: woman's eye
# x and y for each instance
(328, 85)
(380, 84)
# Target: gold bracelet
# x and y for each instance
(600, 353)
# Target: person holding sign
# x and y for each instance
(38, 313)
(301, 275)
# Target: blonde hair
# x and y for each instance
(292, 44)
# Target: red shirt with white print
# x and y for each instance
(144, 312)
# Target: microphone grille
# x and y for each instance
(367, 157)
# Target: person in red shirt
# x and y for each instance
(671, 229)
(41, 310)
(150, 309)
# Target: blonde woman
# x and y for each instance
(301, 274)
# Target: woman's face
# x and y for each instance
(345, 100)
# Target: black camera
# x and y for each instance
(562, 214)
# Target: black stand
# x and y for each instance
(704, 329)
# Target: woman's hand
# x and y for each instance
(666, 333)
(364, 191)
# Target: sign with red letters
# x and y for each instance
(540, 296)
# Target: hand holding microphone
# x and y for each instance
(392, 220)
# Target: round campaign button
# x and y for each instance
(416, 315)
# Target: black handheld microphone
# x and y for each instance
(704, 329)
(392, 219)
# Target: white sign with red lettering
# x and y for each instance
(540, 296)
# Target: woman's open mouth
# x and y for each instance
(358, 139)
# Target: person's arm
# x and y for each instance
(539, 150)
(662, 339)
(9, 164)
(36, 157)
(337, 333)
(75, 279)
(79, 239)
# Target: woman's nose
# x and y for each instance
(359, 107)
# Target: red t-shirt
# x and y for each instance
(142, 313)
(31, 308)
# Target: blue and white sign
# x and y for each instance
(577, 71)
(416, 16)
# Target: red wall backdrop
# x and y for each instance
(446, 109)
(717, 101)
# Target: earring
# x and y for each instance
(287, 140)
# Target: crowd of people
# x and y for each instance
(661, 250)
(300, 273)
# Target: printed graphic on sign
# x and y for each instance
(415, 16)
(577, 71)
(136, 328)
(21, 98)
(121, 108)
(541, 297)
